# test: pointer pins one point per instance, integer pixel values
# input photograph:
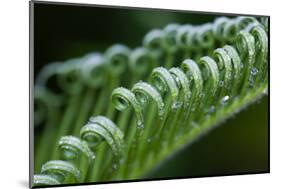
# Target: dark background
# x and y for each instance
(63, 32)
(240, 145)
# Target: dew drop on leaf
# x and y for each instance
(254, 71)
(176, 105)
(140, 124)
(68, 154)
(224, 99)
(265, 91)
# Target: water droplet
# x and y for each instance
(221, 83)
(176, 105)
(265, 91)
(242, 66)
(148, 140)
(69, 154)
(254, 71)
(224, 100)
(140, 124)
(142, 99)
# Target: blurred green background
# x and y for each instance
(240, 145)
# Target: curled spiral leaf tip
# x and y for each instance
(230, 30)
(204, 36)
(92, 138)
(163, 80)
(102, 120)
(218, 26)
(261, 49)
(169, 39)
(93, 70)
(70, 65)
(47, 72)
(144, 92)
(261, 39)
(117, 58)
(191, 69)
(72, 146)
(183, 83)
(69, 78)
(210, 70)
(224, 65)
(101, 128)
(236, 63)
(192, 42)
(264, 22)
(182, 35)
(245, 44)
(60, 169)
(40, 179)
(153, 41)
(122, 98)
(141, 61)
(92, 129)
(243, 21)
(249, 27)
